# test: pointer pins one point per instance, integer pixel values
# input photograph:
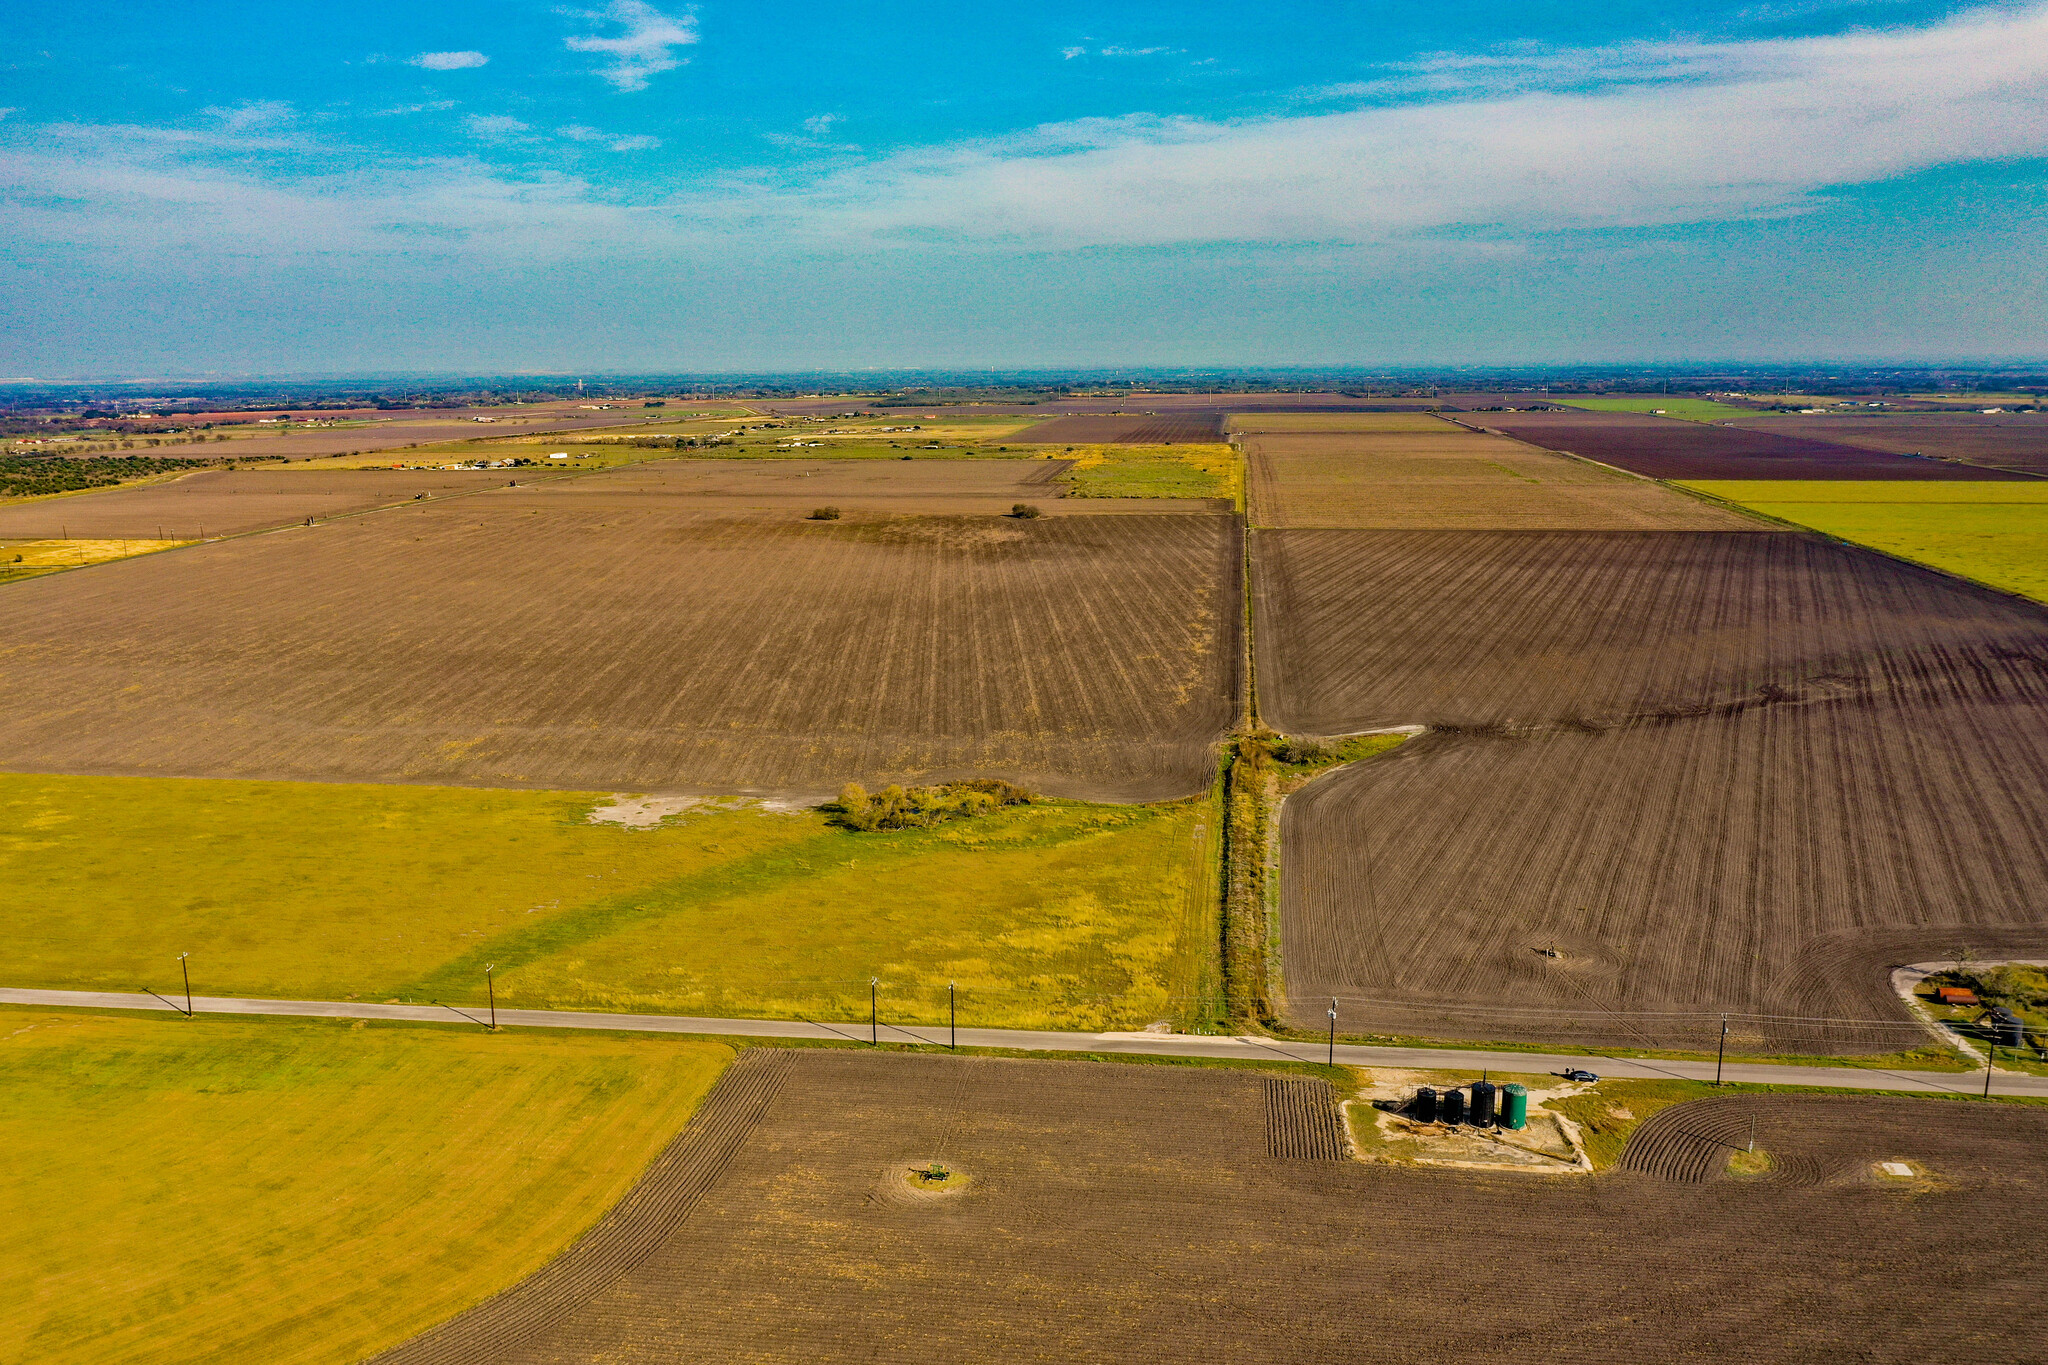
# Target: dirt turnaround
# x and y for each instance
(1738, 773)
(764, 1233)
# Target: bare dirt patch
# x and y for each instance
(1152, 1189)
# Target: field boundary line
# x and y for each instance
(1199, 1046)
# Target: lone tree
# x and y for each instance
(1024, 511)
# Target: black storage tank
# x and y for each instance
(2007, 1029)
(1424, 1106)
(1482, 1104)
(1454, 1106)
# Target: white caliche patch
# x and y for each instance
(645, 48)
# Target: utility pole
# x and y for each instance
(952, 1018)
(1990, 1062)
(492, 987)
(874, 1012)
(186, 968)
(1333, 1031)
(1722, 1051)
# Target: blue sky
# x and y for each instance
(639, 184)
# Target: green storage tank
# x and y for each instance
(1514, 1106)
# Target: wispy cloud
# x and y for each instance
(1528, 146)
(1070, 53)
(430, 107)
(646, 47)
(494, 125)
(253, 114)
(1512, 143)
(448, 61)
(638, 142)
(821, 125)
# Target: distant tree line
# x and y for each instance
(30, 475)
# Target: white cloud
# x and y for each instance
(1521, 144)
(820, 125)
(637, 142)
(5, 110)
(447, 61)
(430, 107)
(1072, 52)
(1669, 135)
(646, 48)
(494, 125)
(250, 115)
(1137, 51)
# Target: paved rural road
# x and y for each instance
(1151, 1044)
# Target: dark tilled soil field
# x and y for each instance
(226, 502)
(1140, 1213)
(500, 646)
(1358, 629)
(1717, 772)
(1772, 862)
(1442, 477)
(2010, 441)
(1667, 448)
(797, 487)
(1141, 429)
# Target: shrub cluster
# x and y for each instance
(1304, 751)
(824, 514)
(30, 475)
(896, 807)
(1024, 511)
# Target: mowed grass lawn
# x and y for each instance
(1995, 533)
(1055, 914)
(1689, 409)
(273, 1191)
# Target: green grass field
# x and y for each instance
(280, 1191)
(1690, 409)
(1179, 471)
(1995, 533)
(1051, 915)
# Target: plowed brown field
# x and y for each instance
(2009, 441)
(1440, 476)
(795, 487)
(1668, 448)
(223, 502)
(1359, 629)
(505, 645)
(1143, 430)
(1716, 772)
(1142, 1214)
